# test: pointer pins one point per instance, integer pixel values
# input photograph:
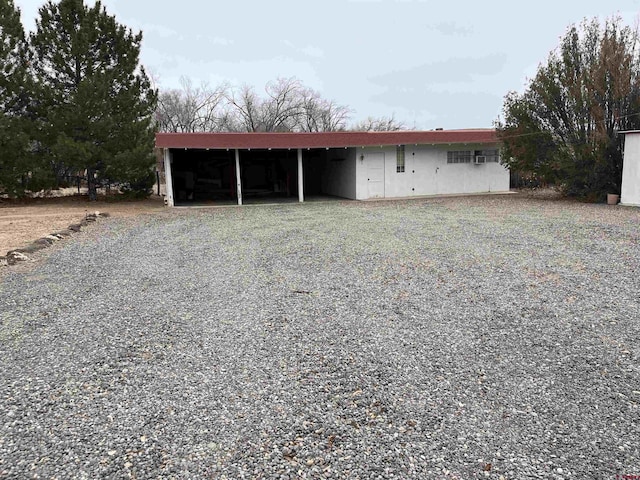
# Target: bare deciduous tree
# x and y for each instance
(191, 109)
(245, 110)
(287, 106)
(282, 106)
(320, 115)
(276, 112)
(379, 124)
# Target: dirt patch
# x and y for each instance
(24, 222)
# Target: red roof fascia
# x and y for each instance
(322, 139)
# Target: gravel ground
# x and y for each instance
(480, 337)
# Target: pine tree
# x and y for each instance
(14, 141)
(95, 100)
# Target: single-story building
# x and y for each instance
(630, 192)
(219, 167)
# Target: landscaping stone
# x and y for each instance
(17, 255)
(43, 241)
(31, 248)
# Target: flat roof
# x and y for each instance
(323, 139)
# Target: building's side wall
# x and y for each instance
(339, 173)
(161, 190)
(428, 173)
(452, 178)
(630, 194)
(168, 160)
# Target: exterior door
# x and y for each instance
(375, 174)
(424, 176)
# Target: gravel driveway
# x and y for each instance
(479, 337)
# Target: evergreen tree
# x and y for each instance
(95, 102)
(12, 57)
(14, 141)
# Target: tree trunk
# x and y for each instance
(91, 184)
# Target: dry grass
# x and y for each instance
(21, 222)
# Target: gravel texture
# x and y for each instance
(479, 337)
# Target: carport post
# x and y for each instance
(168, 178)
(300, 177)
(238, 179)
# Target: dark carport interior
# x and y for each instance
(202, 176)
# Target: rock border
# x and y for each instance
(22, 254)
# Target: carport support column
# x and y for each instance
(168, 178)
(238, 178)
(300, 177)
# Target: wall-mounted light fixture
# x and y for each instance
(361, 158)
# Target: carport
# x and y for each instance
(229, 168)
(221, 176)
(224, 176)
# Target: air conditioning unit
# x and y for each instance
(480, 160)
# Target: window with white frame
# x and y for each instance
(400, 159)
(491, 155)
(468, 156)
(459, 156)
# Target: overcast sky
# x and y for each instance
(430, 63)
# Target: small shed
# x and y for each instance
(232, 167)
(630, 192)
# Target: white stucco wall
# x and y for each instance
(630, 193)
(339, 173)
(428, 173)
(168, 176)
